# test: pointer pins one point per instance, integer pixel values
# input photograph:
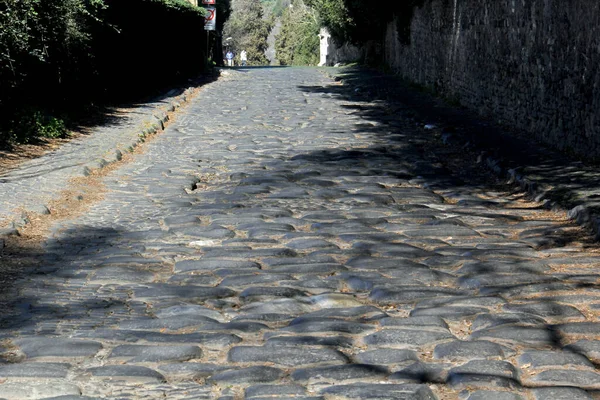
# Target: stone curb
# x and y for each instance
(581, 214)
(152, 126)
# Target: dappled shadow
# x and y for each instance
(479, 276)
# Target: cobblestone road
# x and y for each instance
(294, 244)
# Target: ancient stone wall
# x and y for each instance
(532, 64)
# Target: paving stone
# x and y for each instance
(560, 393)
(517, 334)
(546, 310)
(423, 322)
(544, 359)
(264, 293)
(57, 347)
(288, 356)
(486, 321)
(580, 379)
(420, 372)
(330, 341)
(248, 375)
(269, 391)
(188, 310)
(339, 373)
(141, 353)
(129, 373)
(317, 324)
(360, 313)
(381, 391)
(386, 356)
(589, 348)
(470, 350)
(191, 370)
(410, 294)
(189, 293)
(213, 264)
(493, 395)
(404, 338)
(35, 370)
(18, 390)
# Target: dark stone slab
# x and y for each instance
(560, 393)
(213, 264)
(386, 356)
(494, 395)
(517, 334)
(317, 324)
(546, 310)
(34, 347)
(288, 356)
(420, 372)
(405, 338)
(340, 372)
(189, 293)
(575, 378)
(144, 353)
(127, 372)
(267, 292)
(589, 348)
(543, 359)
(248, 375)
(330, 341)
(35, 370)
(410, 294)
(467, 350)
(274, 391)
(381, 391)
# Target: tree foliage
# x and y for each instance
(248, 31)
(361, 20)
(298, 41)
(60, 54)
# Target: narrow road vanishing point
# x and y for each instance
(282, 241)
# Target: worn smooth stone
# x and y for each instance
(576, 378)
(142, 353)
(422, 372)
(381, 391)
(560, 393)
(288, 356)
(129, 373)
(57, 347)
(469, 350)
(340, 373)
(546, 310)
(191, 370)
(35, 370)
(34, 391)
(541, 359)
(403, 338)
(248, 375)
(493, 395)
(189, 293)
(589, 348)
(331, 341)
(274, 391)
(327, 325)
(386, 356)
(212, 264)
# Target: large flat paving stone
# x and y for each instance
(381, 391)
(57, 347)
(39, 390)
(35, 370)
(288, 356)
(129, 373)
(144, 353)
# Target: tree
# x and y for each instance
(298, 41)
(247, 30)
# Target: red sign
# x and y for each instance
(208, 1)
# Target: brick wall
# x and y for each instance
(532, 64)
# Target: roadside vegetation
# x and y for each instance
(62, 57)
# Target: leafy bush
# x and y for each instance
(298, 41)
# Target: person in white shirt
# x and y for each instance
(244, 58)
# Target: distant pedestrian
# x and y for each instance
(244, 58)
(229, 57)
